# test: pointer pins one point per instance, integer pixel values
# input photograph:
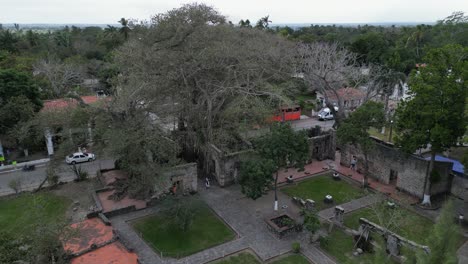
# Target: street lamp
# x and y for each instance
(390, 134)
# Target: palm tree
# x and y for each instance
(125, 29)
(110, 30)
(417, 37)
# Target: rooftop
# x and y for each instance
(114, 253)
(69, 102)
(86, 234)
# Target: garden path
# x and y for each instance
(244, 216)
(350, 206)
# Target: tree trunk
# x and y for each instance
(427, 186)
(386, 112)
(276, 192)
(366, 170)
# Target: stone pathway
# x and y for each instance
(350, 206)
(243, 215)
(462, 253)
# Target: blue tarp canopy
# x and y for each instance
(457, 166)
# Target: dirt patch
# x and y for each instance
(80, 195)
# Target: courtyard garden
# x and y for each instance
(341, 246)
(405, 222)
(246, 257)
(20, 214)
(316, 188)
(170, 239)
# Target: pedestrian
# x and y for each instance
(207, 183)
(353, 163)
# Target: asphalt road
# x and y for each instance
(311, 122)
(30, 180)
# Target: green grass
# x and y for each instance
(384, 137)
(242, 258)
(408, 224)
(341, 246)
(19, 214)
(292, 259)
(317, 187)
(206, 231)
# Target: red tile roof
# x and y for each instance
(346, 94)
(87, 233)
(68, 102)
(114, 253)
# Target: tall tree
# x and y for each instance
(191, 65)
(61, 76)
(433, 116)
(354, 130)
(255, 177)
(328, 68)
(263, 23)
(443, 240)
(124, 29)
(389, 81)
(284, 147)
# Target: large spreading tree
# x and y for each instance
(354, 130)
(192, 69)
(283, 147)
(434, 115)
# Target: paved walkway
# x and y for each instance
(243, 215)
(462, 254)
(350, 206)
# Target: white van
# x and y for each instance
(326, 114)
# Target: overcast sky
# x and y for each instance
(284, 11)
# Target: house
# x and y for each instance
(63, 104)
(351, 98)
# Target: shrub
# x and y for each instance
(15, 184)
(311, 222)
(80, 174)
(324, 241)
(296, 247)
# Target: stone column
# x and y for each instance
(90, 133)
(49, 143)
(338, 218)
(393, 247)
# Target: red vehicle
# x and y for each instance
(288, 113)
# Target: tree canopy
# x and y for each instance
(354, 130)
(434, 114)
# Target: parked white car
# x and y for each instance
(79, 157)
(326, 114)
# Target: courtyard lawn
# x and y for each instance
(318, 187)
(292, 259)
(341, 246)
(241, 258)
(19, 214)
(206, 231)
(410, 225)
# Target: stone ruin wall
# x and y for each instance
(411, 169)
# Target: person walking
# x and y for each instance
(353, 163)
(207, 183)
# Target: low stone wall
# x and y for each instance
(185, 174)
(460, 187)
(225, 166)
